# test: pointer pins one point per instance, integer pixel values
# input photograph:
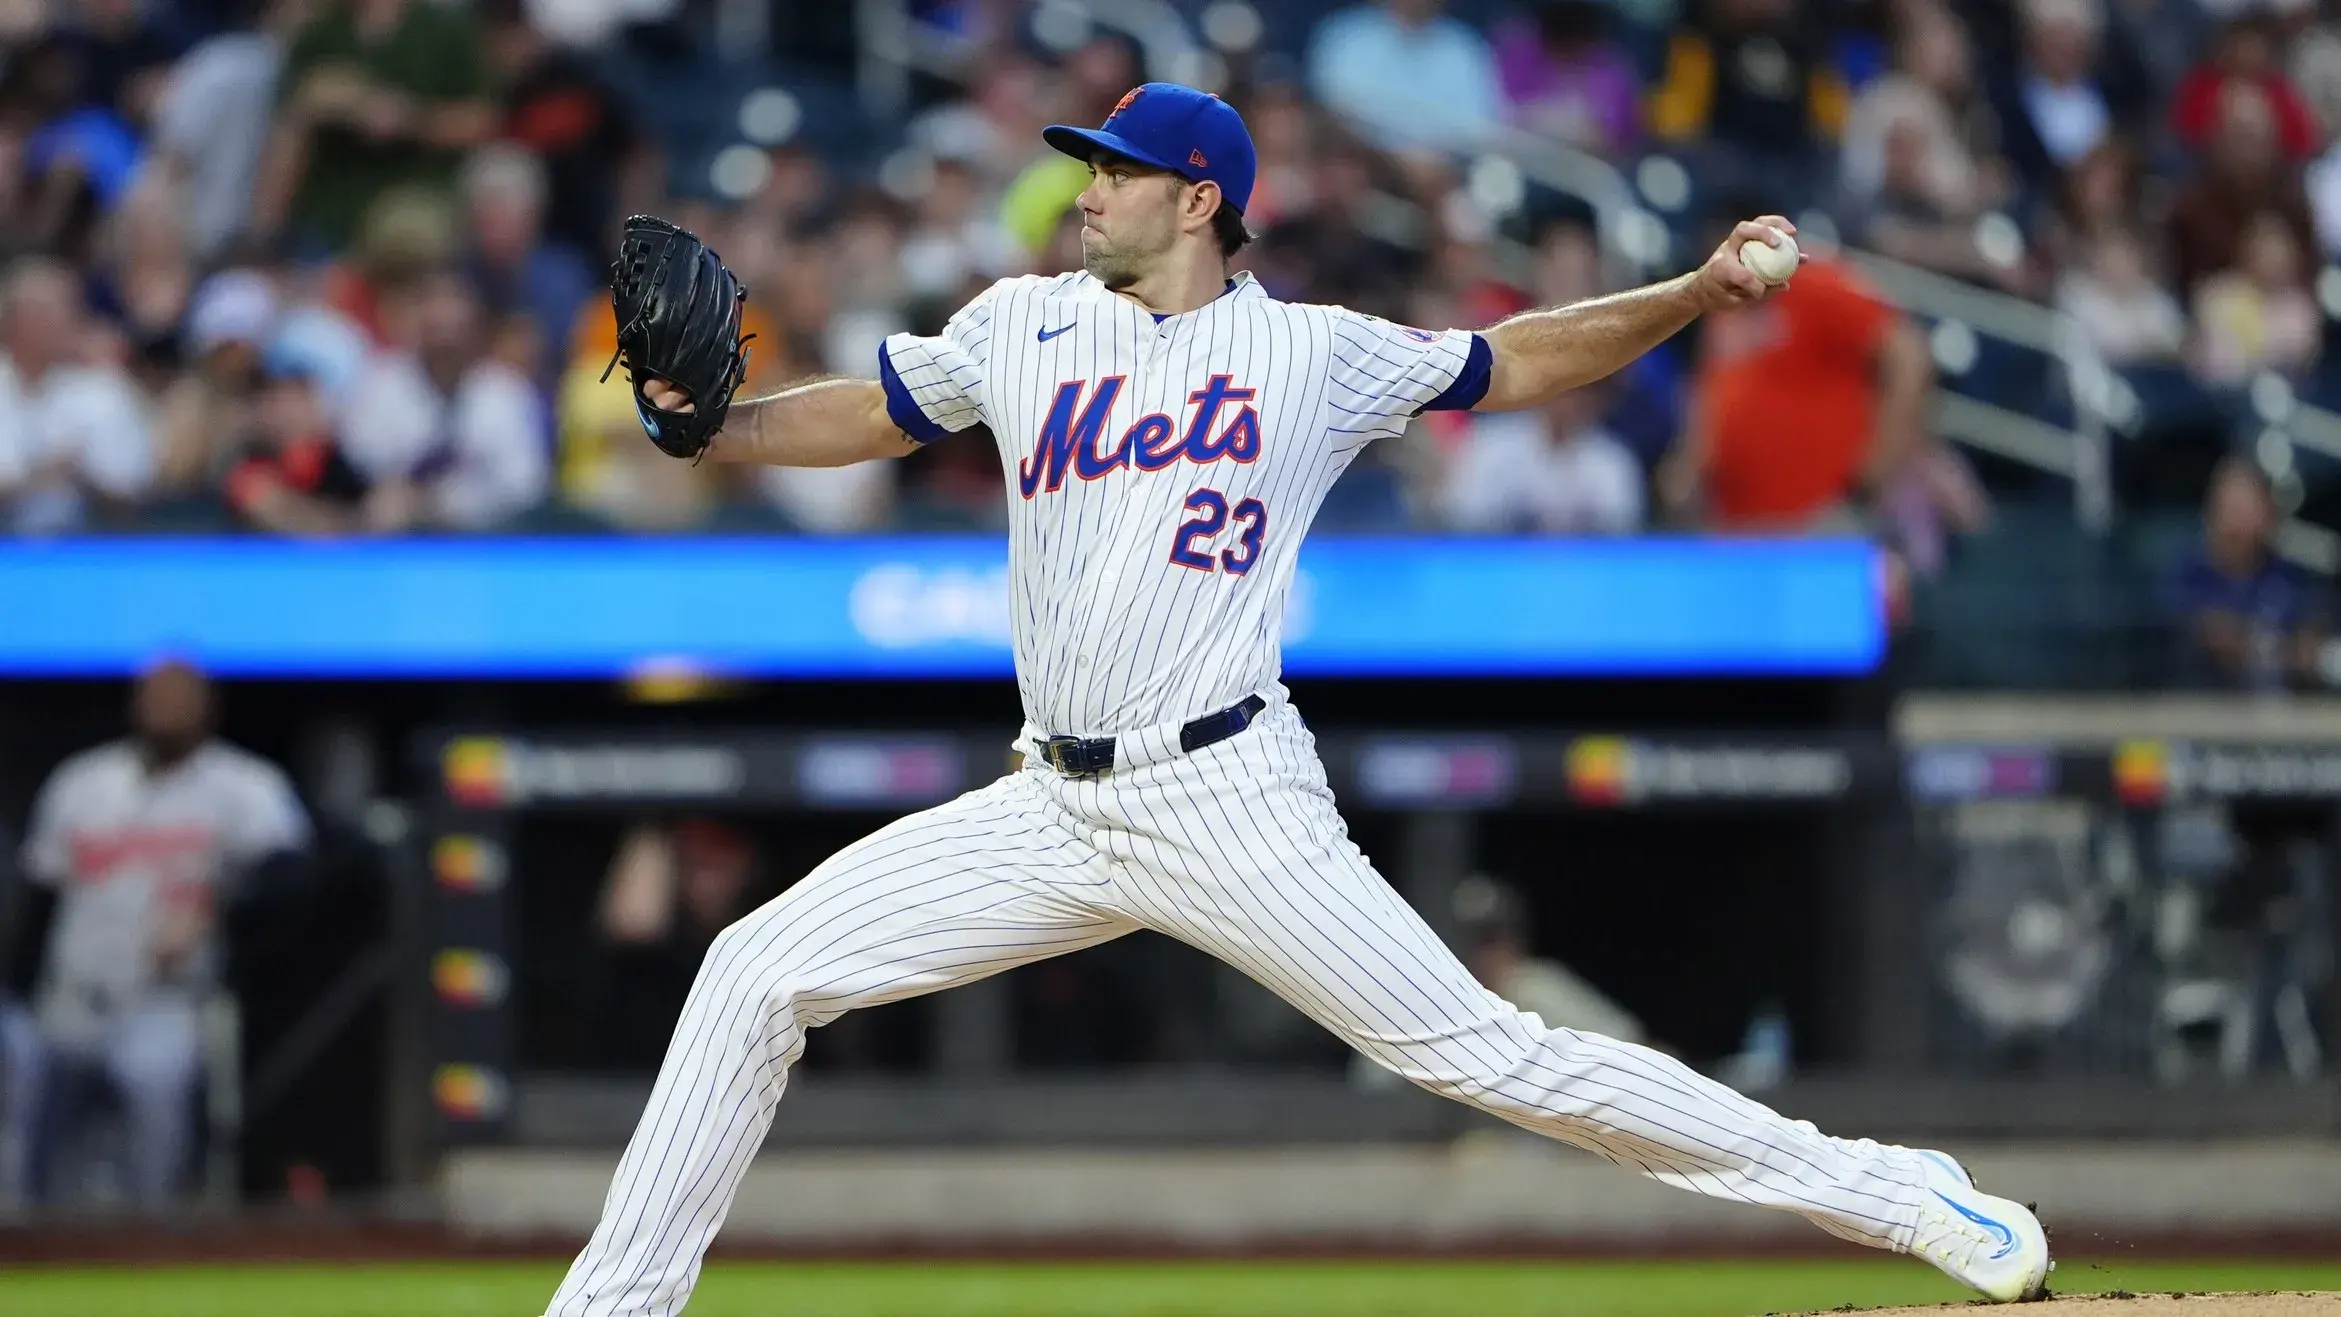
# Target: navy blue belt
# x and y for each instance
(1076, 757)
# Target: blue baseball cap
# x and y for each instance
(1191, 133)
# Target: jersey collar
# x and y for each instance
(1240, 285)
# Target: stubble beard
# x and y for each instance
(1109, 267)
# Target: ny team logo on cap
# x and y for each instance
(1124, 103)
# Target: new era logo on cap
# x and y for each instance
(1195, 158)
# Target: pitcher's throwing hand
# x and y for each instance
(1726, 279)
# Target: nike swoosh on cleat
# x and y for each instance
(2000, 1232)
(1047, 334)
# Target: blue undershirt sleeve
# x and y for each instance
(904, 411)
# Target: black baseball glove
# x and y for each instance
(678, 313)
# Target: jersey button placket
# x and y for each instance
(1151, 345)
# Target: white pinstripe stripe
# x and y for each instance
(1238, 851)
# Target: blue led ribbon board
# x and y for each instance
(906, 607)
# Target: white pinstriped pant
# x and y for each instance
(1238, 851)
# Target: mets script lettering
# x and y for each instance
(1072, 436)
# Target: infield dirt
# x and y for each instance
(2124, 1304)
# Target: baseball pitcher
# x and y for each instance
(1166, 433)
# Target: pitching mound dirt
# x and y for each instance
(2120, 1304)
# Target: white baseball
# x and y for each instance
(1772, 264)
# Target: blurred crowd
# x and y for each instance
(335, 267)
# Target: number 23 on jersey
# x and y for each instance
(1212, 516)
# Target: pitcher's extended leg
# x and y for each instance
(1250, 862)
(940, 898)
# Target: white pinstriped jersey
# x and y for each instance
(1161, 475)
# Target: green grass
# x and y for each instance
(1299, 1289)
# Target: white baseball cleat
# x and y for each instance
(1991, 1245)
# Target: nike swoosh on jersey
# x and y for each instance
(1047, 334)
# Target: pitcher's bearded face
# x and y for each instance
(1129, 219)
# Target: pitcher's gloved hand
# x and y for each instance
(678, 312)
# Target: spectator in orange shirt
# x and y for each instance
(1802, 408)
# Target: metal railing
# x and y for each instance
(1634, 239)
(2103, 402)
(1633, 235)
(2095, 389)
(894, 46)
(1170, 51)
